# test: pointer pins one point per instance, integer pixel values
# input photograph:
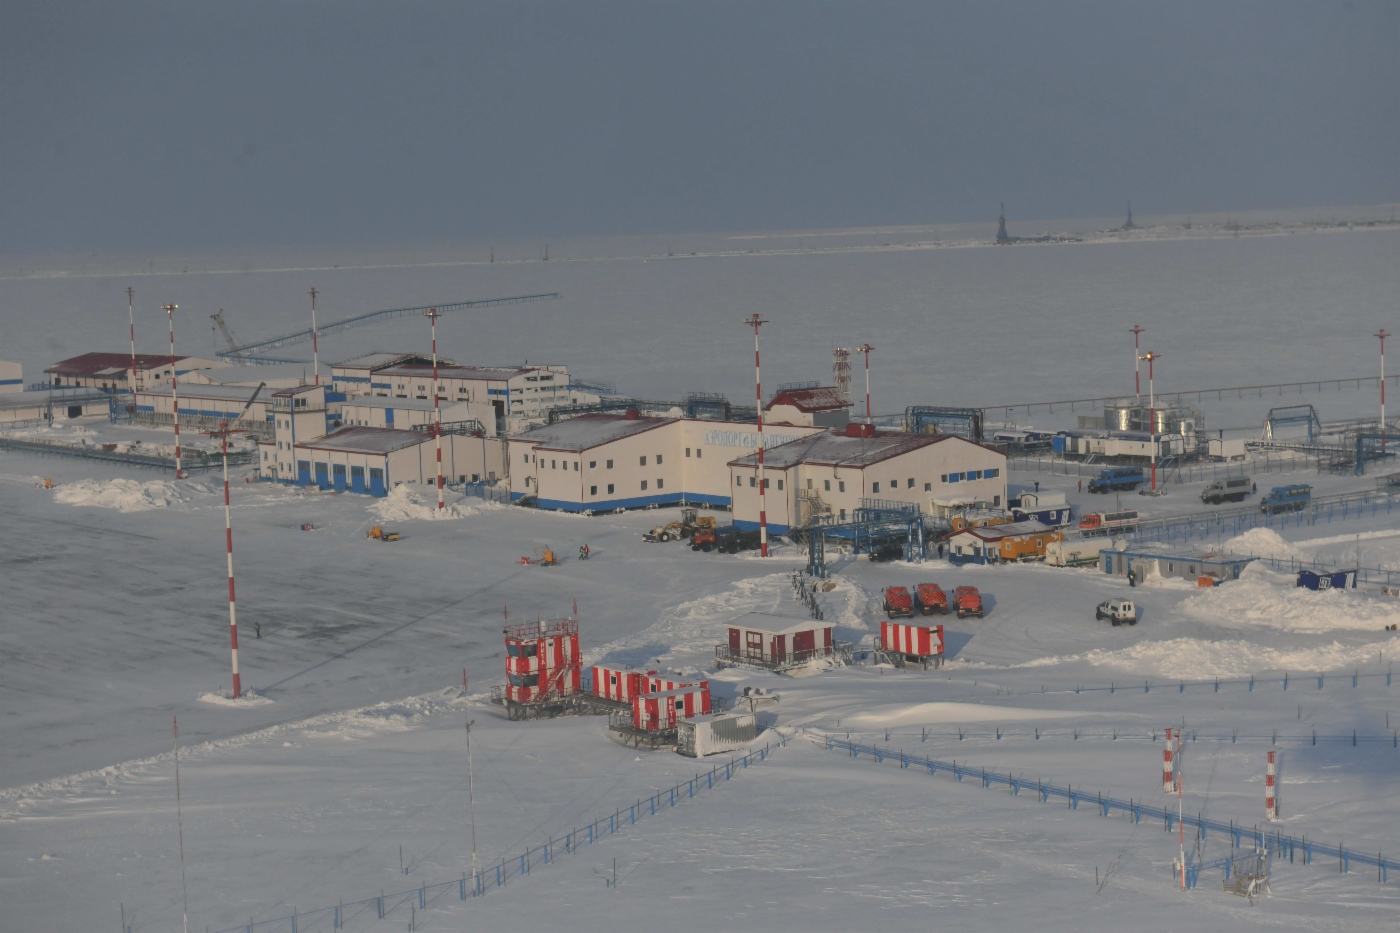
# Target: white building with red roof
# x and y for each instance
(813, 406)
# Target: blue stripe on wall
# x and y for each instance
(635, 502)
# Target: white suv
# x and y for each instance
(1117, 611)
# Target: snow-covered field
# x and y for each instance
(353, 745)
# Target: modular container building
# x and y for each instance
(776, 643)
(620, 684)
(659, 712)
(1145, 559)
(1336, 580)
(542, 661)
(1012, 542)
(715, 733)
(917, 644)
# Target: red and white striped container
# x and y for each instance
(1168, 775)
(1270, 791)
(542, 660)
(920, 641)
(619, 683)
(656, 683)
(655, 712)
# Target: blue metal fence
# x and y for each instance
(497, 875)
(1287, 846)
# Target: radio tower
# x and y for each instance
(841, 370)
(432, 314)
(174, 389)
(756, 322)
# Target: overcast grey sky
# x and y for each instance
(168, 126)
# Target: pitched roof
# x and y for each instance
(587, 431)
(381, 359)
(821, 398)
(776, 624)
(1008, 530)
(834, 448)
(106, 364)
(366, 440)
(478, 373)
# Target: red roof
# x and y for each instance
(99, 364)
(822, 398)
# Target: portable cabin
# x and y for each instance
(1148, 559)
(542, 661)
(1011, 542)
(657, 712)
(1048, 508)
(715, 733)
(917, 644)
(759, 639)
(618, 683)
(1338, 580)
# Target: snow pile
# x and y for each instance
(925, 713)
(248, 700)
(126, 495)
(402, 504)
(1264, 542)
(1197, 658)
(1262, 597)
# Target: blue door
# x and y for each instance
(303, 472)
(338, 473)
(357, 479)
(322, 477)
(376, 481)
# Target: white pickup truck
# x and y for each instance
(1117, 611)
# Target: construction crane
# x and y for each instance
(232, 352)
(256, 352)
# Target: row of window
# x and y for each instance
(593, 464)
(969, 475)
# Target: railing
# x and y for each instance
(192, 460)
(491, 492)
(495, 876)
(792, 659)
(1185, 473)
(1288, 846)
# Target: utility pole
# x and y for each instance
(1151, 358)
(315, 354)
(756, 322)
(1382, 334)
(471, 795)
(864, 349)
(432, 314)
(174, 388)
(131, 319)
(1136, 330)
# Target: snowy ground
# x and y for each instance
(115, 621)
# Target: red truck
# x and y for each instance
(898, 603)
(930, 599)
(967, 601)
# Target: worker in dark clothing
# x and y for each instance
(1132, 578)
(1254, 487)
(257, 630)
(1081, 485)
(1037, 485)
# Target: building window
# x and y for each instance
(738, 481)
(841, 487)
(609, 464)
(911, 482)
(826, 485)
(575, 466)
(687, 451)
(593, 490)
(809, 484)
(527, 458)
(660, 483)
(943, 478)
(928, 487)
(990, 474)
(753, 482)
(593, 464)
(553, 465)
(767, 484)
(658, 460)
(698, 452)
(996, 502)
(644, 485)
(843, 515)
(780, 484)
(610, 488)
(874, 487)
(954, 477)
(644, 460)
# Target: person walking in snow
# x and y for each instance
(1081, 485)
(257, 630)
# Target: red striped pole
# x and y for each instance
(1270, 791)
(758, 322)
(865, 349)
(1168, 778)
(174, 389)
(1382, 334)
(228, 536)
(433, 314)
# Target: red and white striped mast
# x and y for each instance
(1382, 334)
(315, 353)
(131, 319)
(1136, 330)
(864, 349)
(1270, 791)
(222, 434)
(174, 389)
(756, 322)
(433, 314)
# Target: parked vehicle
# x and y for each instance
(1117, 611)
(1286, 498)
(1101, 523)
(967, 602)
(1227, 490)
(727, 540)
(929, 598)
(378, 533)
(683, 527)
(1070, 554)
(1117, 479)
(887, 550)
(898, 603)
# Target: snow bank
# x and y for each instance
(1197, 658)
(402, 504)
(925, 713)
(248, 700)
(1265, 598)
(1265, 542)
(126, 495)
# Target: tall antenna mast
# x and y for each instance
(841, 369)
(471, 793)
(756, 322)
(174, 389)
(432, 314)
(131, 319)
(180, 823)
(1136, 330)
(864, 349)
(315, 352)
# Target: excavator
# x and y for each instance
(689, 523)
